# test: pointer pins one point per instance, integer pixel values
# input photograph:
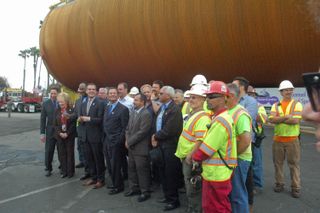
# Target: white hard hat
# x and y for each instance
(134, 91)
(285, 85)
(198, 89)
(199, 79)
(186, 94)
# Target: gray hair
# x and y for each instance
(169, 90)
(178, 91)
(234, 89)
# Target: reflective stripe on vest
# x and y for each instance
(236, 115)
(283, 129)
(187, 134)
(209, 151)
(219, 162)
(291, 112)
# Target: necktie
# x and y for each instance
(88, 105)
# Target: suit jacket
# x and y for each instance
(171, 127)
(76, 114)
(92, 130)
(71, 125)
(115, 124)
(47, 117)
(138, 132)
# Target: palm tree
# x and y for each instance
(35, 52)
(39, 74)
(24, 54)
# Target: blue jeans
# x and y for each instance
(257, 167)
(239, 194)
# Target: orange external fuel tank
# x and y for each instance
(138, 41)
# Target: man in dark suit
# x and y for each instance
(114, 124)
(80, 128)
(91, 120)
(47, 128)
(168, 127)
(137, 143)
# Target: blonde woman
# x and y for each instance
(65, 132)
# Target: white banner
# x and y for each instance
(269, 96)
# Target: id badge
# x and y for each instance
(64, 128)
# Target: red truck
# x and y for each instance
(19, 102)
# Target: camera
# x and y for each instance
(312, 84)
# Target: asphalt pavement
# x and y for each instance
(24, 188)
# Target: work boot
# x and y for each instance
(295, 193)
(278, 188)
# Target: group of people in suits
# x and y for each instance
(114, 130)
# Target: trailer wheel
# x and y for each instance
(26, 108)
(20, 108)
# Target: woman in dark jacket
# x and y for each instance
(65, 132)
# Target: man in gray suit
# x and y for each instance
(47, 128)
(137, 142)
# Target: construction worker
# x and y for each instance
(186, 107)
(261, 119)
(286, 116)
(194, 129)
(242, 122)
(200, 79)
(218, 153)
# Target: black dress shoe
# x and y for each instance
(110, 187)
(70, 176)
(171, 206)
(131, 193)
(46, 169)
(143, 197)
(115, 191)
(79, 165)
(85, 176)
(48, 173)
(63, 176)
(162, 200)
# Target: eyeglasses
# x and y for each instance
(213, 96)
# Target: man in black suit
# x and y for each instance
(168, 127)
(114, 124)
(80, 128)
(137, 143)
(47, 128)
(90, 119)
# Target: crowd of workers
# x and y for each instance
(207, 140)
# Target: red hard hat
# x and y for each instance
(218, 87)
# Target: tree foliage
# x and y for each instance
(3, 83)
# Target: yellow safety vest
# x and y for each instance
(192, 133)
(294, 108)
(247, 154)
(220, 136)
(186, 109)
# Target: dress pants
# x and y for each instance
(115, 153)
(66, 155)
(50, 146)
(94, 156)
(170, 174)
(82, 152)
(139, 172)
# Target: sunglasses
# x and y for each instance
(214, 96)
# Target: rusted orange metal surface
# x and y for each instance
(108, 41)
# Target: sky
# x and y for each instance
(19, 22)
